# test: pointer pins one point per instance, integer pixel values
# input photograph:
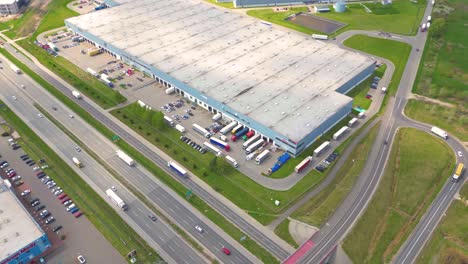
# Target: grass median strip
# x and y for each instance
(103, 216)
(418, 166)
(198, 203)
(124, 182)
(282, 230)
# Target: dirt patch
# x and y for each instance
(300, 231)
(431, 100)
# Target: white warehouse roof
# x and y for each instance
(17, 228)
(282, 79)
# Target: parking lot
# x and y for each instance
(70, 236)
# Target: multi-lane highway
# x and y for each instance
(169, 202)
(262, 236)
(157, 234)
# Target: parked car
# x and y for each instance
(36, 169)
(40, 207)
(81, 259)
(57, 228)
(78, 214)
(18, 183)
(26, 192)
(50, 220)
(67, 202)
(16, 178)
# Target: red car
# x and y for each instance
(12, 174)
(78, 214)
(62, 196)
(65, 200)
(226, 251)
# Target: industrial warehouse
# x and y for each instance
(284, 85)
(22, 237)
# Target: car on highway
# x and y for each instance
(152, 217)
(81, 259)
(77, 149)
(14, 97)
(113, 188)
(54, 108)
(40, 115)
(226, 251)
(199, 229)
(25, 192)
(460, 154)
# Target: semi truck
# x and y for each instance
(239, 134)
(15, 69)
(169, 120)
(220, 143)
(127, 159)
(439, 132)
(340, 133)
(458, 172)
(92, 72)
(262, 156)
(250, 141)
(76, 94)
(201, 130)
(212, 148)
(180, 128)
(232, 161)
(116, 199)
(94, 51)
(177, 168)
(301, 166)
(318, 36)
(228, 127)
(254, 146)
(352, 122)
(216, 117)
(77, 162)
(325, 145)
(237, 128)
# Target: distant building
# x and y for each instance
(386, 2)
(321, 9)
(10, 7)
(22, 239)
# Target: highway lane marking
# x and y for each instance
(427, 224)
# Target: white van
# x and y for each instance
(250, 156)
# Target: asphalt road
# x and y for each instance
(345, 216)
(158, 234)
(256, 234)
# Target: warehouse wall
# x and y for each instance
(253, 3)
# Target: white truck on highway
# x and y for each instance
(15, 69)
(439, 132)
(116, 199)
(76, 94)
(77, 162)
(127, 159)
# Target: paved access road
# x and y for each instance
(349, 211)
(270, 242)
(158, 234)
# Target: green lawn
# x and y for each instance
(282, 230)
(227, 5)
(401, 17)
(57, 13)
(454, 120)
(359, 92)
(317, 210)
(279, 18)
(396, 52)
(443, 72)
(417, 168)
(103, 216)
(449, 242)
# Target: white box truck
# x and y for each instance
(127, 159)
(180, 128)
(76, 94)
(232, 161)
(352, 122)
(169, 120)
(170, 90)
(77, 162)
(216, 117)
(15, 69)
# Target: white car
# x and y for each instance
(58, 192)
(14, 97)
(113, 188)
(36, 168)
(460, 154)
(40, 115)
(26, 192)
(81, 259)
(16, 178)
(199, 229)
(71, 116)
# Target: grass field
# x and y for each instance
(401, 17)
(418, 166)
(454, 120)
(394, 51)
(198, 203)
(443, 73)
(317, 210)
(278, 18)
(57, 12)
(449, 242)
(103, 216)
(227, 5)
(282, 230)
(359, 92)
